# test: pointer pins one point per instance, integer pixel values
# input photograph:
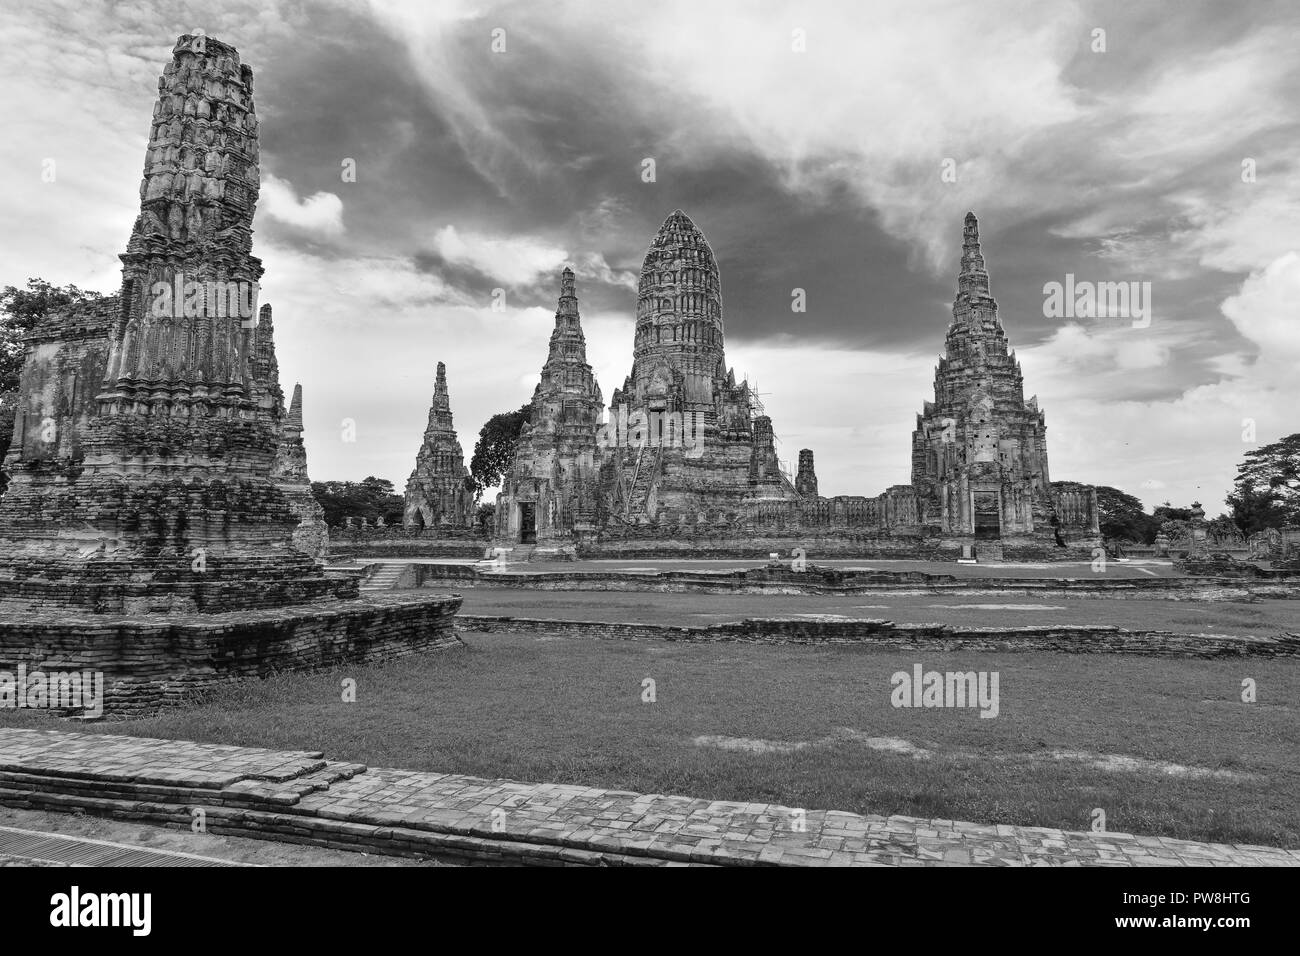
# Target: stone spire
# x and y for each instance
(182, 451)
(440, 421)
(973, 280)
(311, 537)
(566, 361)
(979, 428)
(266, 366)
(567, 341)
(293, 420)
(441, 400)
(805, 481)
(679, 311)
(436, 492)
(552, 478)
(974, 305)
(189, 279)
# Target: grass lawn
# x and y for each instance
(570, 709)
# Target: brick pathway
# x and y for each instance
(301, 797)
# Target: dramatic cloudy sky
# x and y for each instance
(818, 169)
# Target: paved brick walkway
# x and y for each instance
(301, 797)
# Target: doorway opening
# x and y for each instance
(528, 522)
(988, 515)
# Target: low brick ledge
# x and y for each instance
(29, 614)
(1079, 638)
(761, 580)
(406, 813)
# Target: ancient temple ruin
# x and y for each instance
(979, 451)
(163, 453)
(551, 493)
(687, 442)
(289, 472)
(438, 493)
(156, 480)
(685, 460)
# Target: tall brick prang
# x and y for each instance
(437, 493)
(687, 438)
(156, 493)
(551, 489)
(158, 483)
(979, 451)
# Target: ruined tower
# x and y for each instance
(682, 438)
(143, 453)
(805, 481)
(151, 531)
(436, 493)
(550, 491)
(311, 537)
(979, 451)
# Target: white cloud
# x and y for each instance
(508, 260)
(319, 214)
(1267, 311)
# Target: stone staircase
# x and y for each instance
(649, 467)
(383, 577)
(988, 551)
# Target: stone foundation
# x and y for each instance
(832, 581)
(925, 637)
(654, 541)
(150, 663)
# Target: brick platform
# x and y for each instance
(301, 797)
(153, 661)
(868, 632)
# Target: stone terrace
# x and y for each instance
(301, 797)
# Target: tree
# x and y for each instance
(20, 312)
(1266, 491)
(1122, 517)
(1167, 512)
(371, 498)
(494, 452)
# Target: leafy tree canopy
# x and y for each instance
(371, 498)
(1122, 517)
(1266, 491)
(20, 311)
(494, 452)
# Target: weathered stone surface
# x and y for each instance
(805, 482)
(687, 462)
(158, 522)
(152, 661)
(311, 537)
(297, 796)
(1067, 639)
(150, 422)
(552, 489)
(979, 451)
(437, 495)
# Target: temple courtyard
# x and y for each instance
(1164, 747)
(463, 688)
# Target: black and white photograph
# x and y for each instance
(477, 434)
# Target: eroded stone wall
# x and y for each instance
(151, 663)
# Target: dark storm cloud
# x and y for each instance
(478, 171)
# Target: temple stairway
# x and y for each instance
(383, 577)
(648, 469)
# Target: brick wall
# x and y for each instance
(148, 664)
(1082, 639)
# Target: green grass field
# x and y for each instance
(570, 709)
